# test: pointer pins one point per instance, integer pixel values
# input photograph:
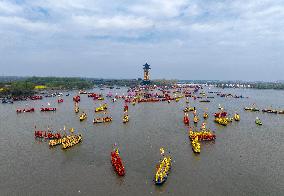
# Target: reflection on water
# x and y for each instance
(245, 159)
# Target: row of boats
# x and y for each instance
(271, 111)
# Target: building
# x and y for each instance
(146, 80)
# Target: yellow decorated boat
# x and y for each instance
(71, 140)
(83, 116)
(221, 121)
(195, 145)
(101, 108)
(195, 119)
(125, 118)
(163, 170)
(205, 115)
(237, 117)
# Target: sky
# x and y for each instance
(180, 39)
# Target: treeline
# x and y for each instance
(268, 85)
(27, 86)
(58, 83)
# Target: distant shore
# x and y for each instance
(24, 86)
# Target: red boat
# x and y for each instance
(76, 98)
(125, 108)
(117, 163)
(47, 109)
(47, 135)
(25, 110)
(186, 120)
(220, 114)
(94, 95)
(60, 100)
(36, 97)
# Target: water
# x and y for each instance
(245, 159)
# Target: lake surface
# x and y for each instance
(245, 159)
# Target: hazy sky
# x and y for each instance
(186, 39)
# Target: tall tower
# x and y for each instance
(146, 79)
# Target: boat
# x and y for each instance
(281, 112)
(163, 170)
(60, 101)
(204, 101)
(252, 109)
(205, 115)
(195, 145)
(101, 108)
(202, 135)
(189, 109)
(83, 116)
(71, 140)
(76, 98)
(270, 111)
(117, 162)
(125, 109)
(237, 117)
(83, 92)
(47, 109)
(25, 110)
(101, 98)
(55, 142)
(125, 119)
(47, 135)
(221, 121)
(258, 121)
(7, 101)
(36, 97)
(186, 119)
(195, 119)
(102, 120)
